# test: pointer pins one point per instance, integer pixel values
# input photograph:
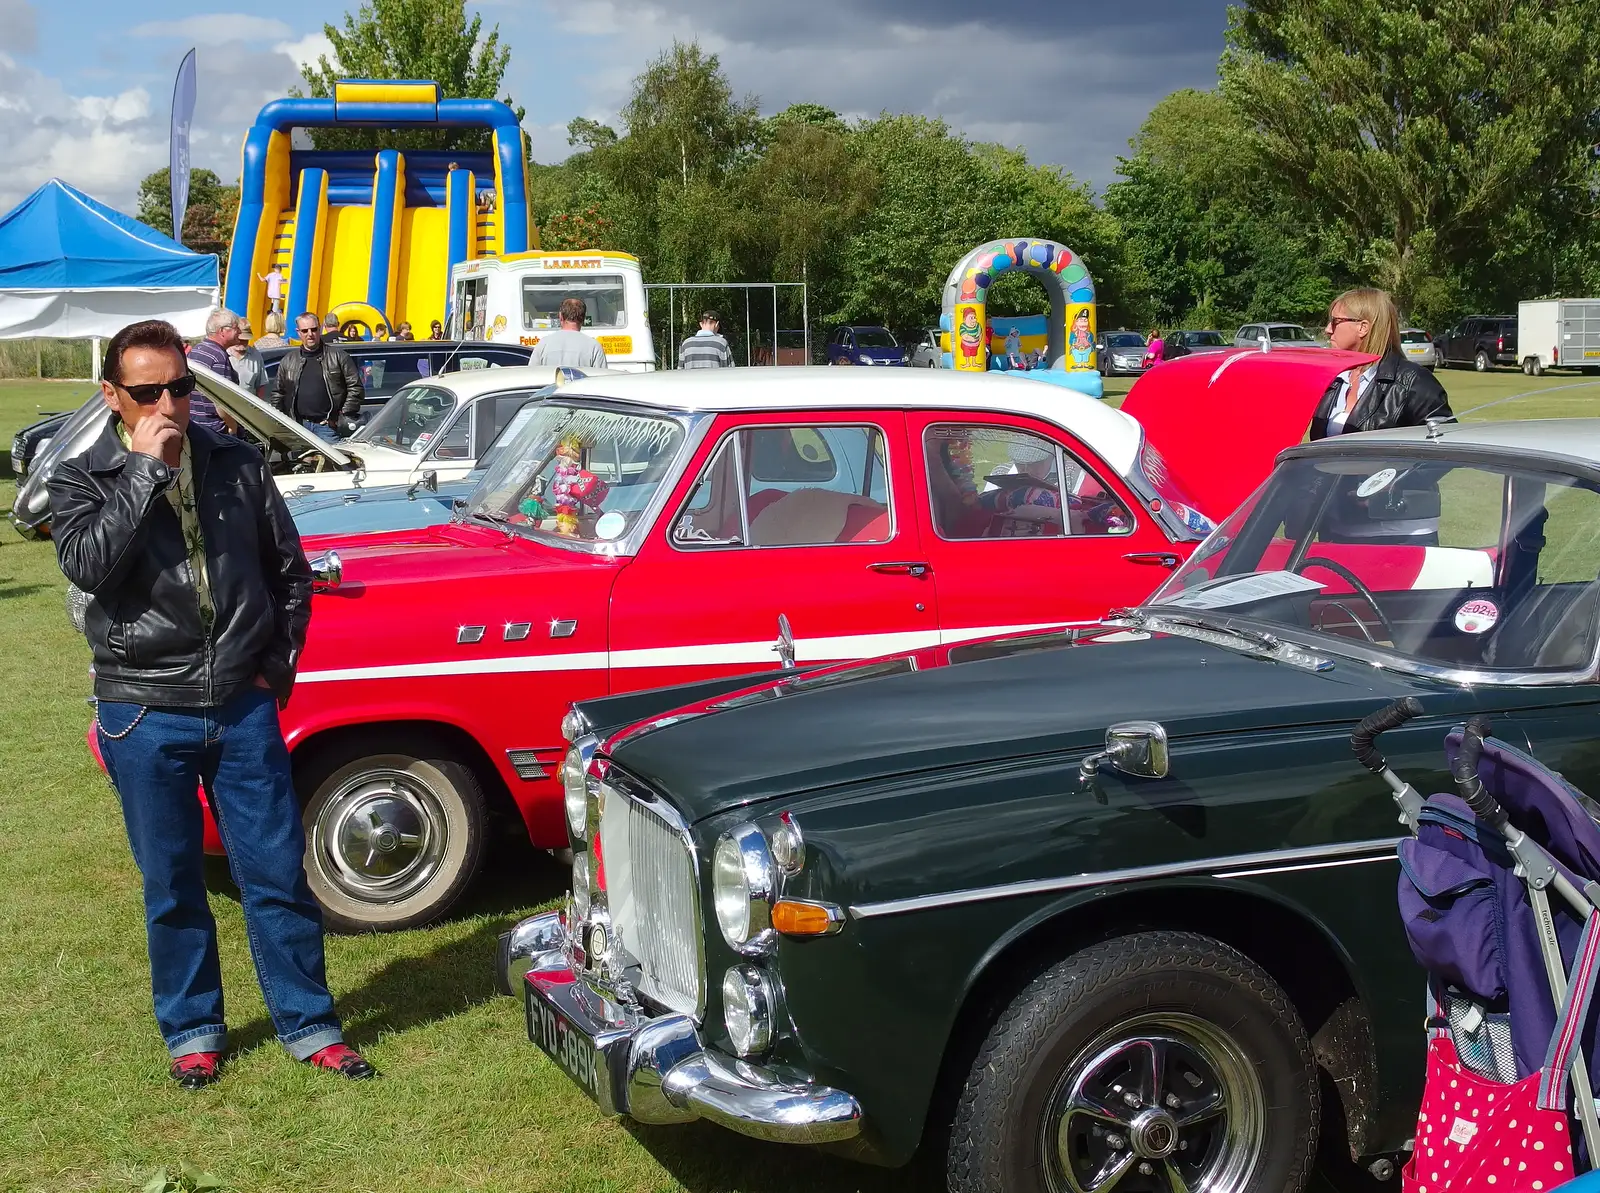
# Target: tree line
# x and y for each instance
(1444, 149)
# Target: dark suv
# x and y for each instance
(386, 365)
(1481, 341)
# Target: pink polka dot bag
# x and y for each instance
(1500, 904)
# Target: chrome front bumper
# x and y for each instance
(657, 1069)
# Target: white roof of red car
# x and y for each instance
(1114, 436)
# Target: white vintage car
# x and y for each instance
(439, 424)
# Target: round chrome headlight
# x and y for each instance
(575, 785)
(580, 887)
(574, 725)
(747, 1009)
(742, 886)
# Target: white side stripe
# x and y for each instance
(840, 648)
(1355, 861)
(593, 660)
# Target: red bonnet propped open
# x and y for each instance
(1219, 420)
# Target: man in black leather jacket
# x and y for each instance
(329, 403)
(200, 602)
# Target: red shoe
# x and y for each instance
(197, 1070)
(343, 1060)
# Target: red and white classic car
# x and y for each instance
(666, 528)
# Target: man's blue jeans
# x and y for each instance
(157, 758)
(321, 430)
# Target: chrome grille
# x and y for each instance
(654, 898)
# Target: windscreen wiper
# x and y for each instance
(1226, 634)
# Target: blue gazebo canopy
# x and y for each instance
(59, 238)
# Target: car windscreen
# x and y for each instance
(409, 420)
(602, 295)
(579, 475)
(1456, 563)
(1414, 337)
(874, 337)
(1203, 339)
(1124, 339)
(1290, 335)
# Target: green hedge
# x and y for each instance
(44, 358)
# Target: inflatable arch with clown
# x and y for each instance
(1069, 340)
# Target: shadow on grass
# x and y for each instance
(21, 590)
(708, 1159)
(456, 974)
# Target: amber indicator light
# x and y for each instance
(801, 919)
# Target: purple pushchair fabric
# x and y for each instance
(1466, 912)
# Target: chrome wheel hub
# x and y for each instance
(1165, 1103)
(381, 836)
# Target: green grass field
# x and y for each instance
(465, 1102)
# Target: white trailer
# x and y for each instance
(1559, 333)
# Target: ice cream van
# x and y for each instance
(515, 299)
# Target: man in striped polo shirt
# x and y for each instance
(706, 349)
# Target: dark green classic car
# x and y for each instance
(1110, 907)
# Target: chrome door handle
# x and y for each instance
(1166, 559)
(902, 568)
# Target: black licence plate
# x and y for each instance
(563, 1041)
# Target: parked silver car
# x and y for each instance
(1419, 348)
(1285, 335)
(926, 352)
(1122, 353)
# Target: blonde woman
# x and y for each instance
(1391, 392)
(274, 338)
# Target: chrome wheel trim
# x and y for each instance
(1164, 1103)
(381, 836)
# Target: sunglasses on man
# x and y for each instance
(149, 395)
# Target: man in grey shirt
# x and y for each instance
(706, 349)
(570, 346)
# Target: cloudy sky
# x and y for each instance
(85, 85)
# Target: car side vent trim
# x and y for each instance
(1237, 865)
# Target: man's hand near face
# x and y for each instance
(157, 435)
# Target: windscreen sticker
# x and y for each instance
(1477, 616)
(422, 439)
(610, 526)
(1376, 483)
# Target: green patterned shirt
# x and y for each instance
(182, 497)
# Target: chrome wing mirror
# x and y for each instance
(429, 481)
(785, 643)
(1137, 748)
(327, 570)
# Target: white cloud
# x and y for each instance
(215, 28)
(106, 143)
(306, 50)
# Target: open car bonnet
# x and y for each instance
(1219, 420)
(265, 421)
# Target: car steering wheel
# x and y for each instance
(1355, 582)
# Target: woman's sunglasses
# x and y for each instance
(149, 395)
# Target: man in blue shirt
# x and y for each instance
(222, 330)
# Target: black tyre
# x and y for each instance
(392, 839)
(1535, 367)
(1481, 361)
(1162, 1061)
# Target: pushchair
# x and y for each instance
(1500, 905)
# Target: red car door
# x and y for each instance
(1025, 527)
(803, 514)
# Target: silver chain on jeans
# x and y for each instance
(139, 716)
